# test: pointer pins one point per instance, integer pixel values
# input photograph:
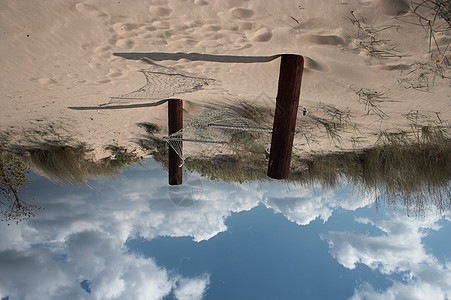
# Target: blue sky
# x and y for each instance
(126, 239)
(262, 255)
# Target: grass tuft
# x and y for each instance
(368, 41)
(71, 164)
(372, 99)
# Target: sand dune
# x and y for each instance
(58, 56)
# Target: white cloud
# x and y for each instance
(398, 249)
(95, 256)
(81, 235)
(304, 205)
(399, 291)
(23, 272)
(192, 289)
(141, 206)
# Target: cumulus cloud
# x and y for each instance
(141, 206)
(303, 205)
(25, 271)
(192, 289)
(417, 290)
(97, 258)
(80, 237)
(81, 234)
(398, 249)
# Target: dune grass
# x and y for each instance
(72, 164)
(150, 128)
(152, 144)
(413, 168)
(260, 114)
(409, 167)
(367, 39)
(334, 121)
(422, 76)
(434, 18)
(372, 100)
(415, 174)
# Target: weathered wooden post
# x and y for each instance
(175, 123)
(287, 102)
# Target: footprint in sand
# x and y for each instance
(121, 28)
(242, 13)
(103, 81)
(241, 43)
(442, 39)
(201, 2)
(162, 24)
(212, 27)
(395, 67)
(333, 40)
(243, 26)
(113, 72)
(46, 81)
(125, 43)
(311, 64)
(89, 10)
(160, 11)
(102, 51)
(261, 35)
(148, 28)
(95, 65)
(393, 7)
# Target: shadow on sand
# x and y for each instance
(159, 56)
(103, 106)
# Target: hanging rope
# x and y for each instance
(210, 128)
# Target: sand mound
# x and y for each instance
(60, 56)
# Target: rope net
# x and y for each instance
(208, 129)
(162, 83)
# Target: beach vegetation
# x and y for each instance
(75, 164)
(367, 39)
(372, 100)
(434, 18)
(153, 144)
(411, 167)
(13, 179)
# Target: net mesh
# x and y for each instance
(163, 83)
(208, 129)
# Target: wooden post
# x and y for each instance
(287, 102)
(175, 123)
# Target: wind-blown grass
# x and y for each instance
(413, 168)
(333, 120)
(372, 99)
(368, 41)
(409, 167)
(434, 17)
(71, 164)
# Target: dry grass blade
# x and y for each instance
(367, 39)
(307, 131)
(434, 16)
(427, 129)
(371, 99)
(333, 120)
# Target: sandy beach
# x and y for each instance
(373, 62)
(84, 93)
